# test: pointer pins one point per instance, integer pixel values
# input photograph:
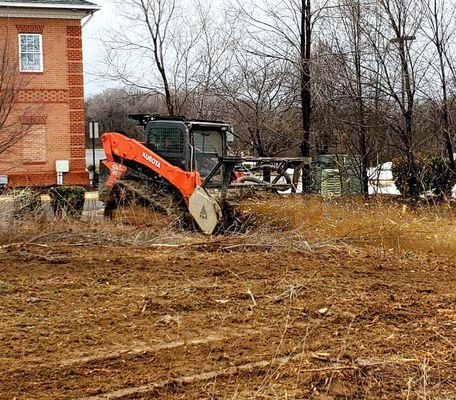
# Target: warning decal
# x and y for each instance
(203, 213)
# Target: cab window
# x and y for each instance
(208, 142)
(208, 147)
(166, 139)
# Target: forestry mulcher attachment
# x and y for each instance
(183, 169)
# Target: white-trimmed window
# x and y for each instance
(30, 52)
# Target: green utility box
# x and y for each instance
(348, 174)
(330, 183)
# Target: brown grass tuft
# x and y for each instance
(383, 223)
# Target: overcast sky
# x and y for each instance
(93, 30)
(93, 50)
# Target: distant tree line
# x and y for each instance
(375, 79)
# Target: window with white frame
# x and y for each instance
(30, 52)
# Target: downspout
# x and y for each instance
(90, 16)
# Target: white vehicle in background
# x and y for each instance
(381, 180)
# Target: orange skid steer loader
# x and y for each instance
(183, 168)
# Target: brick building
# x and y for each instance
(44, 37)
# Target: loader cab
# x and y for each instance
(189, 144)
(170, 139)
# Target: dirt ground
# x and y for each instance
(254, 316)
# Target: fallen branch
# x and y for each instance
(292, 291)
(237, 369)
(151, 348)
(254, 303)
(183, 380)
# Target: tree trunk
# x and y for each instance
(445, 117)
(262, 153)
(445, 114)
(447, 137)
(362, 136)
(408, 105)
(306, 94)
(168, 96)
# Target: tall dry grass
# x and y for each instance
(294, 222)
(381, 222)
(23, 220)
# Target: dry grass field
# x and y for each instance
(314, 300)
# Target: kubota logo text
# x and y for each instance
(152, 160)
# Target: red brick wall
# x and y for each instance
(56, 96)
(76, 97)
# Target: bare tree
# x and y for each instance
(112, 108)
(352, 80)
(354, 10)
(284, 31)
(440, 29)
(171, 48)
(157, 16)
(393, 28)
(204, 61)
(306, 93)
(15, 120)
(260, 101)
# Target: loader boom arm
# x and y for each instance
(119, 148)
